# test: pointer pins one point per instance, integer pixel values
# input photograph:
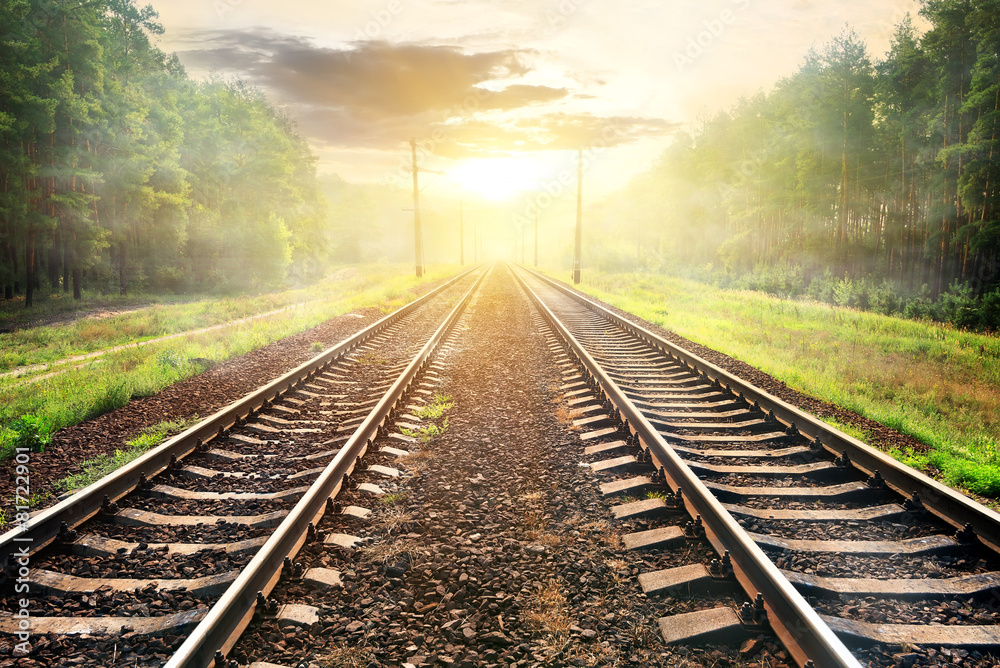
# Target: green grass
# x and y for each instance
(935, 383)
(393, 498)
(426, 433)
(431, 411)
(45, 345)
(94, 469)
(87, 390)
(435, 409)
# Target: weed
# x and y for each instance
(389, 551)
(392, 499)
(345, 656)
(317, 347)
(547, 614)
(435, 409)
(33, 500)
(391, 519)
(171, 358)
(94, 469)
(565, 417)
(426, 433)
(29, 431)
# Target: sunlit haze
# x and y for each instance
(500, 94)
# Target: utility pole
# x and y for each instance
(418, 247)
(461, 234)
(536, 236)
(578, 245)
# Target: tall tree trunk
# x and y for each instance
(122, 278)
(65, 264)
(29, 271)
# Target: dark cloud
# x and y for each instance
(373, 80)
(377, 94)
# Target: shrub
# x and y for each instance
(31, 431)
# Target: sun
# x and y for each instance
(499, 179)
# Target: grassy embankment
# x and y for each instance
(89, 388)
(937, 384)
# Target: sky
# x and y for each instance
(501, 95)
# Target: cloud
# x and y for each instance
(373, 79)
(377, 94)
(547, 132)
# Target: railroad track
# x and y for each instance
(185, 543)
(837, 546)
(179, 551)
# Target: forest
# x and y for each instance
(118, 172)
(872, 183)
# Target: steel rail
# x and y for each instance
(793, 620)
(221, 627)
(945, 503)
(44, 528)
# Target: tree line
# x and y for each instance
(874, 183)
(118, 172)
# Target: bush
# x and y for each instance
(30, 431)
(989, 312)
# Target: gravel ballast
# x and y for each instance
(502, 552)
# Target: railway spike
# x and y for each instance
(914, 504)
(107, 507)
(721, 568)
(876, 481)
(172, 466)
(816, 445)
(967, 535)
(66, 535)
(746, 613)
(694, 529)
(844, 460)
(792, 430)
